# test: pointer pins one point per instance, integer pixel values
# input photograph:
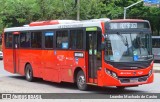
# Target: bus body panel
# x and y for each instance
(50, 66)
(106, 80)
(110, 81)
(8, 60)
(130, 73)
(59, 65)
(50, 70)
(71, 63)
(32, 57)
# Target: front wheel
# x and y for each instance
(29, 73)
(81, 81)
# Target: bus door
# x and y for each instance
(15, 51)
(94, 54)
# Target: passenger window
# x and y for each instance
(76, 39)
(49, 39)
(155, 42)
(25, 40)
(36, 39)
(8, 40)
(62, 39)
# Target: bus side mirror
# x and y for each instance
(103, 45)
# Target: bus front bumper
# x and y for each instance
(106, 79)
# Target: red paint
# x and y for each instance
(15, 33)
(60, 65)
(103, 27)
(46, 65)
(8, 60)
(42, 23)
(91, 80)
(115, 82)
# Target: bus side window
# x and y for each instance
(155, 43)
(49, 39)
(8, 40)
(36, 39)
(76, 39)
(72, 39)
(25, 40)
(62, 39)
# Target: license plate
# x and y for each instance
(134, 80)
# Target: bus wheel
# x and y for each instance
(81, 81)
(29, 73)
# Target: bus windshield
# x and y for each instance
(126, 47)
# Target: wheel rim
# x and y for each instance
(81, 81)
(29, 73)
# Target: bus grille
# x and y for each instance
(133, 80)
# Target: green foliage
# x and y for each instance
(20, 12)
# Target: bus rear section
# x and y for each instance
(102, 53)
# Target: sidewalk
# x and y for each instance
(156, 67)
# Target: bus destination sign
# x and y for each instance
(128, 25)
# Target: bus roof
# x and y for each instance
(57, 24)
(128, 20)
(52, 22)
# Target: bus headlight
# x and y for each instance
(114, 75)
(150, 72)
(111, 73)
(108, 72)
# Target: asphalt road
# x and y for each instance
(12, 83)
(16, 83)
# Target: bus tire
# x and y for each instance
(29, 73)
(81, 81)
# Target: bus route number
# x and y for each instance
(128, 25)
(123, 25)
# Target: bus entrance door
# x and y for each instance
(94, 54)
(15, 51)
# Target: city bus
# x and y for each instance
(156, 47)
(100, 52)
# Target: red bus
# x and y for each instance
(99, 52)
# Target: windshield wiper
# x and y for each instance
(124, 39)
(140, 43)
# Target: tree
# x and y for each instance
(20, 12)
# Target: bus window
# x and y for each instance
(36, 39)
(49, 39)
(8, 40)
(62, 39)
(156, 47)
(76, 39)
(155, 42)
(25, 40)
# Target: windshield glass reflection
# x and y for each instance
(128, 47)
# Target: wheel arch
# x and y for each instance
(25, 67)
(77, 69)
